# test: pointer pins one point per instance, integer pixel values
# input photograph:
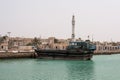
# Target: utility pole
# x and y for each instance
(92, 38)
(9, 45)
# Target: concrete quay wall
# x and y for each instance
(4, 55)
(106, 53)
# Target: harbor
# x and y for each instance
(59, 40)
(71, 48)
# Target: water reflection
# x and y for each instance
(65, 70)
(101, 68)
(80, 70)
(38, 69)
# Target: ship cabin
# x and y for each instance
(81, 45)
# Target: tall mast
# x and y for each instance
(73, 28)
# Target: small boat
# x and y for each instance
(76, 50)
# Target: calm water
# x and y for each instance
(102, 67)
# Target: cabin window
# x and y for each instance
(75, 44)
(78, 44)
(72, 43)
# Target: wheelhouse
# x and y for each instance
(83, 45)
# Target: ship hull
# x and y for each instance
(63, 54)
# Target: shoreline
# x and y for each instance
(12, 55)
(106, 53)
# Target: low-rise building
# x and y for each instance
(4, 43)
(107, 48)
(53, 43)
(21, 44)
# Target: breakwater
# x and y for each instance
(4, 55)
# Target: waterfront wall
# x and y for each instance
(17, 55)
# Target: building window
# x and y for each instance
(63, 47)
(56, 47)
(2, 47)
(105, 48)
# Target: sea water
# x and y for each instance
(101, 67)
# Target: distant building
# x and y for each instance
(21, 44)
(16, 42)
(107, 48)
(53, 43)
(4, 43)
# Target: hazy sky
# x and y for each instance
(45, 18)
